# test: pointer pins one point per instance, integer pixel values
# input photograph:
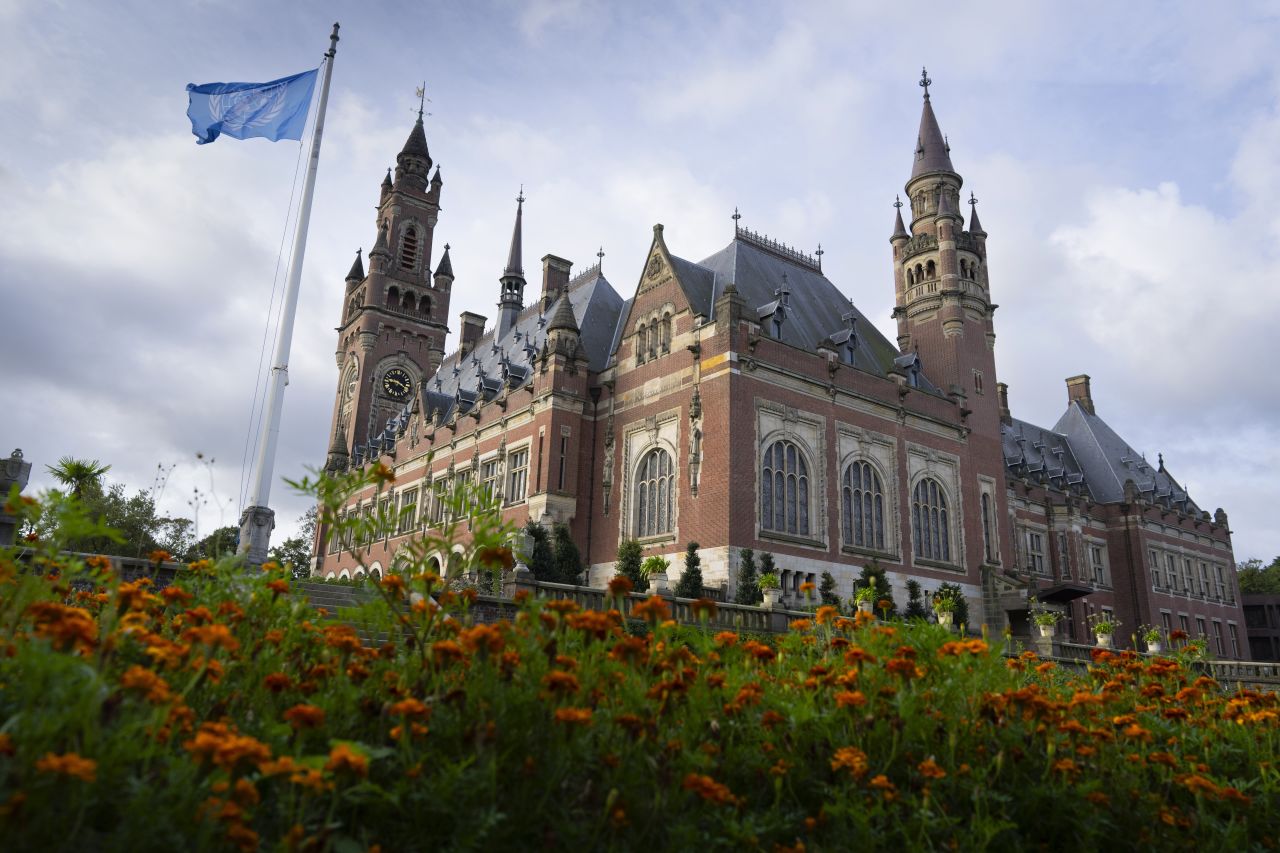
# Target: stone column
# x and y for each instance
(13, 472)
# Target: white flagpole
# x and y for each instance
(258, 520)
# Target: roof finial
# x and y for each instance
(520, 198)
(925, 82)
(972, 200)
(421, 92)
(897, 201)
(819, 254)
(736, 216)
(600, 257)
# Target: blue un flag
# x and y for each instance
(275, 110)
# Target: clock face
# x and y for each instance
(397, 383)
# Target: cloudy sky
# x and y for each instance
(1124, 155)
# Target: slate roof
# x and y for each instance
(1083, 449)
(932, 152)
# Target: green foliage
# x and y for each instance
(654, 564)
(630, 556)
(81, 476)
(295, 553)
(690, 583)
(827, 590)
(748, 589)
(542, 560)
(1257, 579)
(128, 723)
(961, 605)
(568, 560)
(768, 580)
(219, 543)
(128, 524)
(915, 603)
(873, 575)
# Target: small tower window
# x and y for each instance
(911, 276)
(666, 333)
(408, 303)
(424, 305)
(409, 248)
(930, 270)
(919, 272)
(393, 297)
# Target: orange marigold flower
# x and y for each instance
(143, 679)
(1098, 798)
(1066, 766)
(496, 558)
(562, 606)
(558, 681)
(487, 638)
(6, 745)
(929, 769)
(826, 613)
(176, 595)
(620, 585)
(67, 627)
(850, 699)
(594, 622)
(800, 625)
(159, 556)
(629, 649)
(858, 655)
(725, 639)
(852, 759)
(303, 716)
(277, 681)
(771, 718)
(653, 608)
(214, 635)
(279, 587)
(1198, 785)
(380, 473)
(759, 651)
(447, 650)
(807, 587)
(343, 757)
(574, 716)
(881, 783)
(709, 789)
(1177, 634)
(903, 666)
(68, 764)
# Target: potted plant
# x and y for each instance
(1046, 620)
(1151, 635)
(944, 607)
(1104, 626)
(863, 596)
(654, 568)
(771, 588)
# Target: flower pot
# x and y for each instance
(864, 606)
(945, 618)
(1103, 640)
(1155, 647)
(658, 582)
(771, 597)
(1046, 630)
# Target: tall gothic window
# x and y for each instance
(862, 501)
(666, 332)
(929, 521)
(988, 533)
(654, 494)
(409, 248)
(784, 489)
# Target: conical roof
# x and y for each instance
(357, 269)
(562, 318)
(381, 246)
(945, 206)
(899, 228)
(416, 144)
(975, 227)
(515, 262)
(446, 266)
(931, 149)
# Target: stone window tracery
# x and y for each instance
(784, 489)
(654, 495)
(862, 505)
(930, 521)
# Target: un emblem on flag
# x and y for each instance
(248, 109)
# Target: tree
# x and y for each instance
(628, 562)
(690, 583)
(296, 551)
(915, 601)
(873, 575)
(219, 543)
(827, 590)
(748, 592)
(542, 559)
(568, 559)
(82, 476)
(1256, 579)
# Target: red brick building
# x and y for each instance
(743, 401)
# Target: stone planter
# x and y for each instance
(864, 606)
(1046, 631)
(771, 597)
(1103, 640)
(658, 582)
(1155, 647)
(945, 618)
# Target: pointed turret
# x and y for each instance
(387, 186)
(445, 270)
(563, 319)
(413, 163)
(511, 294)
(380, 254)
(899, 228)
(357, 269)
(436, 180)
(515, 257)
(975, 227)
(933, 154)
(947, 207)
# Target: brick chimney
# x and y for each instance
(472, 329)
(555, 278)
(1078, 392)
(1002, 391)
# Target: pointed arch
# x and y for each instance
(862, 504)
(410, 247)
(931, 521)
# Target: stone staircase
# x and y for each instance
(339, 602)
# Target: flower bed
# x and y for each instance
(220, 712)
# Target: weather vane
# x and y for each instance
(925, 82)
(972, 200)
(421, 92)
(897, 201)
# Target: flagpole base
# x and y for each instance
(256, 525)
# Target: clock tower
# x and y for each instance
(392, 329)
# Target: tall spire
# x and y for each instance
(357, 269)
(932, 152)
(515, 262)
(899, 228)
(446, 266)
(413, 163)
(975, 227)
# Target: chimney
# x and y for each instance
(1078, 392)
(1002, 390)
(472, 329)
(555, 278)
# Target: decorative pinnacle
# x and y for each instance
(520, 198)
(897, 201)
(736, 216)
(600, 256)
(925, 82)
(446, 248)
(972, 200)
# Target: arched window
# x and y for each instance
(408, 303)
(409, 248)
(424, 304)
(393, 296)
(666, 333)
(919, 272)
(929, 521)
(930, 270)
(862, 502)
(784, 489)
(654, 494)
(911, 276)
(988, 534)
